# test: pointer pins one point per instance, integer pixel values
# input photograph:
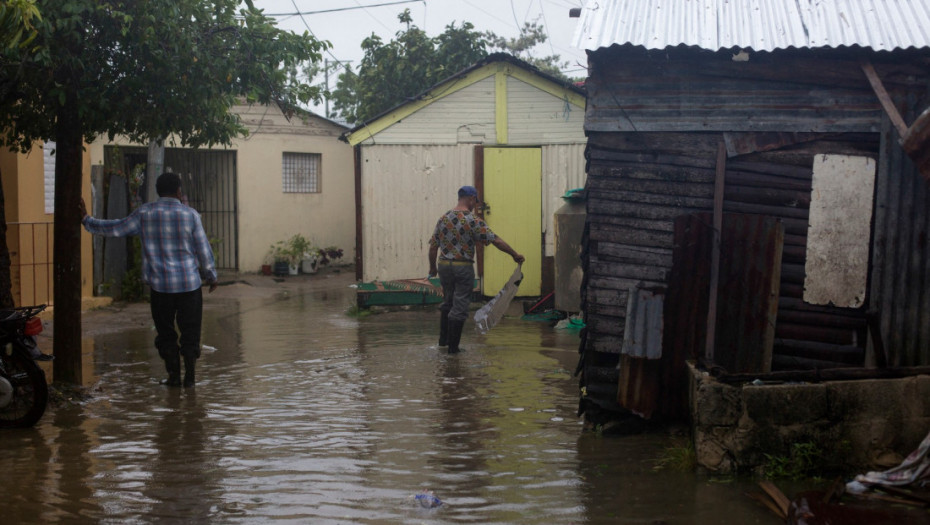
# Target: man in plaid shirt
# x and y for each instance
(175, 251)
(451, 255)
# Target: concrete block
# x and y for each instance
(717, 404)
(785, 404)
(922, 396)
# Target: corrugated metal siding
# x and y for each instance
(462, 117)
(536, 117)
(563, 169)
(761, 25)
(900, 278)
(405, 188)
(643, 334)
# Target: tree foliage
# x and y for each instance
(17, 22)
(145, 69)
(16, 30)
(150, 69)
(413, 61)
(531, 35)
(390, 72)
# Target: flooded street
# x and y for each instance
(303, 414)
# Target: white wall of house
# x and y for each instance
(266, 213)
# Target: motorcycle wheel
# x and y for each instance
(23, 390)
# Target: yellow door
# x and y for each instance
(513, 193)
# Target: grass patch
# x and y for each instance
(679, 458)
(806, 460)
(356, 312)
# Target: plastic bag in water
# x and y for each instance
(427, 500)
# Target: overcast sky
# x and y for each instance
(345, 23)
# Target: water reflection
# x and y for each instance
(305, 415)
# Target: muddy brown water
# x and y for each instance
(303, 414)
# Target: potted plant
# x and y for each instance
(289, 253)
(311, 261)
(330, 254)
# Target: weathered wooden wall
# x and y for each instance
(655, 120)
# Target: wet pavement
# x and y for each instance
(304, 414)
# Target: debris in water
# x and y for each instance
(427, 499)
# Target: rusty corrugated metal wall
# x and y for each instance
(900, 276)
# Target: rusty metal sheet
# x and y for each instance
(747, 301)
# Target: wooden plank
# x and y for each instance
(883, 97)
(715, 251)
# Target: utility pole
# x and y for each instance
(153, 168)
(326, 63)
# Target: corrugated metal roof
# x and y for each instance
(760, 25)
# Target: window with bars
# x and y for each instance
(301, 172)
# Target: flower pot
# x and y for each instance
(292, 269)
(280, 268)
(266, 269)
(310, 265)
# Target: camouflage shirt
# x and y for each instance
(456, 233)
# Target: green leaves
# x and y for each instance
(413, 62)
(17, 18)
(146, 69)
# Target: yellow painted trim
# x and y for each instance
(549, 87)
(500, 71)
(378, 125)
(500, 106)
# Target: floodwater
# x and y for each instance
(303, 414)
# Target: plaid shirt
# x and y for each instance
(173, 243)
(456, 233)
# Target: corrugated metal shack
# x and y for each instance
(756, 120)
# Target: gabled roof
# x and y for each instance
(760, 25)
(479, 71)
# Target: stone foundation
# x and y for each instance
(869, 424)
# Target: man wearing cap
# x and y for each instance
(452, 254)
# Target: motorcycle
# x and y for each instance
(23, 388)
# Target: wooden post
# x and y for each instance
(715, 251)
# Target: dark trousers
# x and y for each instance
(458, 283)
(184, 309)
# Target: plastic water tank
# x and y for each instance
(569, 228)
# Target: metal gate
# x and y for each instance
(209, 183)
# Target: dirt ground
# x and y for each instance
(122, 315)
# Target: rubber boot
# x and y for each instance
(443, 328)
(455, 335)
(189, 364)
(173, 367)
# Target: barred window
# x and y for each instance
(301, 172)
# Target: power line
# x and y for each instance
(304, 20)
(301, 13)
(376, 19)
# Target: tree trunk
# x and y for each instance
(67, 252)
(6, 282)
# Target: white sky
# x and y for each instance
(351, 21)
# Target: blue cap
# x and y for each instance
(468, 191)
